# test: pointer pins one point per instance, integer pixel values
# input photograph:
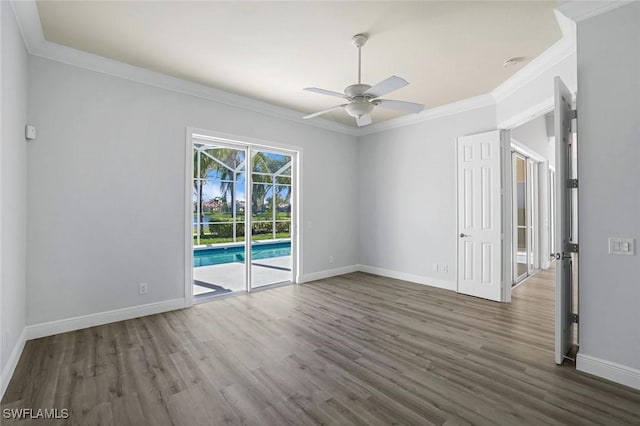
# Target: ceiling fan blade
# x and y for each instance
(402, 105)
(324, 111)
(363, 120)
(386, 86)
(324, 92)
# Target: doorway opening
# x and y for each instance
(536, 209)
(532, 197)
(544, 212)
(243, 210)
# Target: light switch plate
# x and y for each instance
(30, 132)
(623, 246)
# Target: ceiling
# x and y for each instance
(448, 51)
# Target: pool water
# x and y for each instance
(220, 255)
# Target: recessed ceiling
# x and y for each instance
(448, 51)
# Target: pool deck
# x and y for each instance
(230, 277)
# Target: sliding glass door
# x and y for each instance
(219, 219)
(271, 177)
(521, 213)
(526, 239)
(532, 210)
(227, 201)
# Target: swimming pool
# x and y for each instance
(220, 255)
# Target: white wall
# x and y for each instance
(526, 103)
(609, 155)
(408, 196)
(533, 136)
(106, 189)
(13, 201)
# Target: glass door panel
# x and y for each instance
(532, 207)
(271, 194)
(521, 213)
(219, 183)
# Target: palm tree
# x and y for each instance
(206, 165)
(266, 165)
(228, 174)
(226, 164)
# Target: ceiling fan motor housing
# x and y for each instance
(356, 90)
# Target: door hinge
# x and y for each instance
(571, 248)
(572, 183)
(574, 318)
(574, 114)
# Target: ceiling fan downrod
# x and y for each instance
(359, 40)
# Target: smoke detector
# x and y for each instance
(513, 61)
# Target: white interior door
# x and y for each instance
(563, 117)
(479, 216)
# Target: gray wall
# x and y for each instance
(533, 135)
(408, 195)
(609, 173)
(107, 180)
(13, 201)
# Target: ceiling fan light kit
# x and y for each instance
(363, 98)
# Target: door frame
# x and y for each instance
(248, 144)
(518, 120)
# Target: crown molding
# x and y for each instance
(29, 22)
(555, 54)
(527, 115)
(430, 114)
(81, 59)
(28, 18)
(578, 11)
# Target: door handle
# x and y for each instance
(464, 235)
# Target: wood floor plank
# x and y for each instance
(355, 349)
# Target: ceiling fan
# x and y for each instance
(363, 98)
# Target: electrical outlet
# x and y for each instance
(330, 259)
(445, 268)
(143, 288)
(435, 267)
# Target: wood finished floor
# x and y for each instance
(355, 349)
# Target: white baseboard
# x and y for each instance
(609, 370)
(328, 273)
(12, 362)
(418, 279)
(76, 323)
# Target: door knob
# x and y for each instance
(464, 235)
